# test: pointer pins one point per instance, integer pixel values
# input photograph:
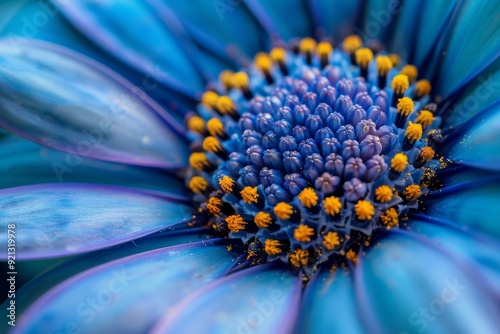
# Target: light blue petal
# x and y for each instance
(62, 219)
(134, 33)
(127, 295)
(258, 300)
(73, 104)
(413, 286)
(23, 163)
(473, 204)
(330, 305)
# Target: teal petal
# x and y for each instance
(23, 163)
(70, 103)
(331, 294)
(378, 19)
(119, 28)
(56, 220)
(413, 286)
(473, 204)
(260, 300)
(335, 19)
(127, 295)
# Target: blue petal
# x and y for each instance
(473, 204)
(335, 19)
(413, 286)
(331, 294)
(378, 20)
(134, 33)
(62, 219)
(23, 163)
(262, 299)
(73, 104)
(127, 295)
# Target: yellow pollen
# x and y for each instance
(363, 56)
(383, 194)
(198, 160)
(272, 247)
(263, 219)
(331, 240)
(413, 132)
(399, 162)
(412, 192)
(410, 71)
(352, 43)
(212, 145)
(427, 153)
(303, 233)
(197, 124)
(213, 206)
(225, 78)
(405, 106)
(422, 87)
(307, 45)
(425, 118)
(364, 210)
(226, 183)
(332, 205)
(215, 127)
(198, 184)
(250, 195)
(352, 256)
(209, 99)
(298, 258)
(235, 223)
(308, 198)
(240, 80)
(283, 210)
(400, 84)
(278, 55)
(389, 218)
(324, 49)
(263, 62)
(394, 59)
(225, 105)
(384, 64)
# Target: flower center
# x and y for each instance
(309, 152)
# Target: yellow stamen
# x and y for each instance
(352, 256)
(400, 84)
(427, 153)
(283, 210)
(363, 57)
(383, 194)
(299, 258)
(198, 184)
(308, 198)
(303, 233)
(225, 105)
(249, 195)
(272, 247)
(399, 162)
(422, 87)
(263, 219)
(198, 160)
(413, 132)
(212, 145)
(307, 45)
(209, 99)
(405, 106)
(225, 78)
(389, 218)
(384, 64)
(352, 43)
(412, 192)
(226, 183)
(425, 118)
(263, 62)
(240, 80)
(331, 240)
(410, 71)
(394, 59)
(364, 210)
(215, 127)
(235, 223)
(324, 49)
(196, 124)
(278, 55)
(332, 205)
(213, 206)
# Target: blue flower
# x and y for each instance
(345, 180)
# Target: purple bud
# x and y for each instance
(236, 162)
(345, 132)
(354, 168)
(328, 95)
(314, 123)
(355, 114)
(273, 159)
(270, 176)
(380, 99)
(323, 110)
(287, 143)
(292, 160)
(271, 105)
(333, 74)
(360, 85)
(301, 133)
(299, 88)
(364, 128)
(345, 87)
(247, 122)
(275, 194)
(255, 105)
(285, 114)
(327, 183)
(300, 114)
(294, 183)
(310, 100)
(264, 122)
(343, 104)
(376, 114)
(307, 147)
(320, 84)
(308, 76)
(334, 121)
(354, 190)
(292, 101)
(254, 156)
(370, 146)
(322, 134)
(364, 100)
(350, 149)
(387, 138)
(282, 128)
(334, 164)
(329, 146)
(250, 176)
(270, 140)
(250, 138)
(313, 167)
(376, 167)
